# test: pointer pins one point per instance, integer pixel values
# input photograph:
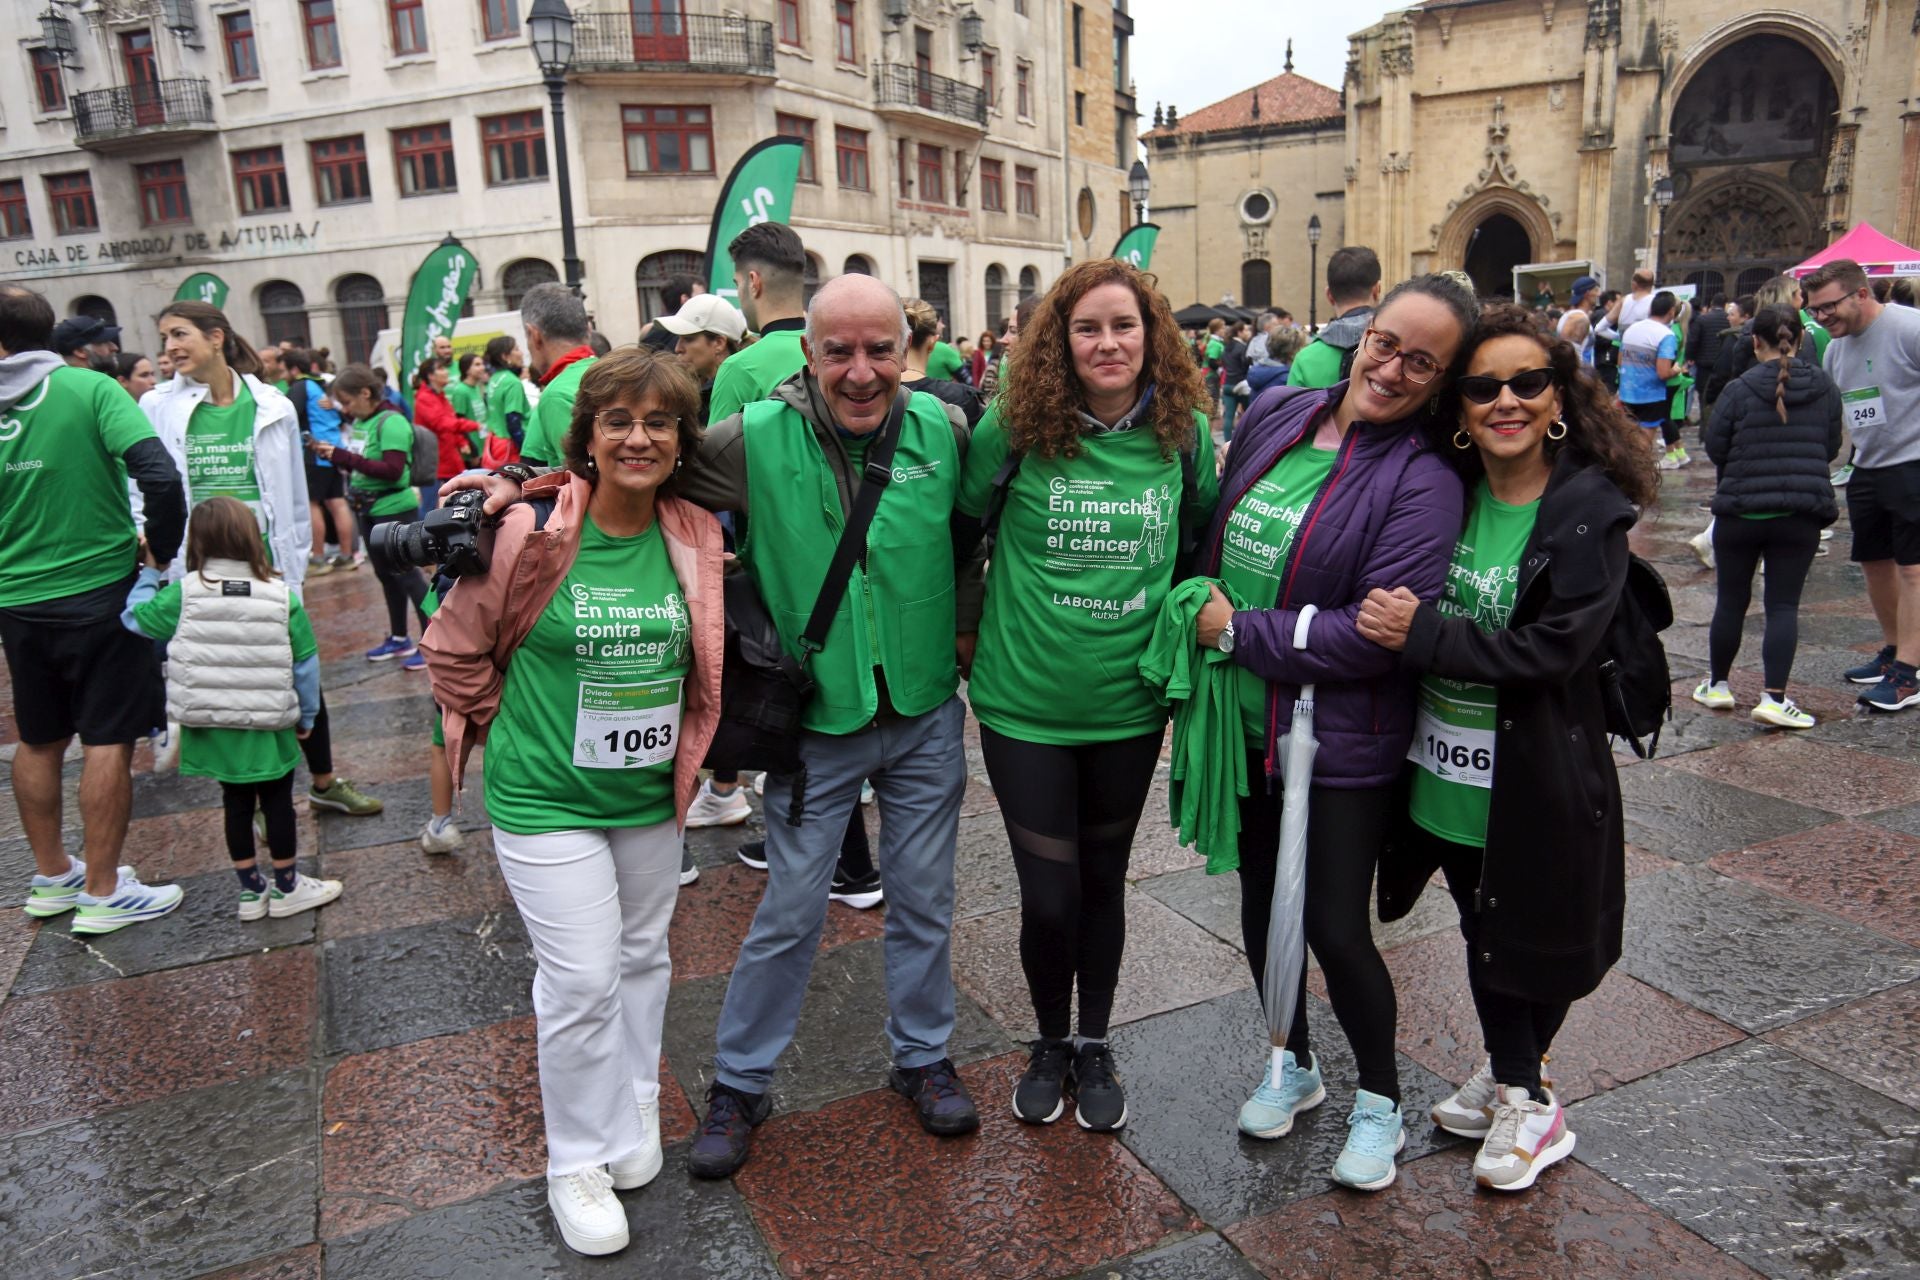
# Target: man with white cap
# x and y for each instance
(708, 329)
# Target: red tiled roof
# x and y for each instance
(1288, 98)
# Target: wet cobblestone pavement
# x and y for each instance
(352, 1093)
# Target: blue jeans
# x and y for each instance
(429, 498)
(919, 774)
(1230, 406)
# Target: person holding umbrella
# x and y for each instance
(1511, 739)
(1327, 494)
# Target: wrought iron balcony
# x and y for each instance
(691, 42)
(130, 113)
(898, 87)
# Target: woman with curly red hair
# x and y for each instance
(1096, 455)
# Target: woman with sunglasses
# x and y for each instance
(587, 658)
(1327, 494)
(1511, 742)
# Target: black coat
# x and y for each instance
(1553, 882)
(1767, 465)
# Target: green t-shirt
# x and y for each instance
(231, 755)
(377, 436)
(280, 385)
(1454, 725)
(753, 372)
(1214, 348)
(553, 416)
(506, 395)
(465, 400)
(1083, 560)
(220, 451)
(1317, 365)
(1253, 548)
(65, 524)
(945, 362)
(590, 713)
(1820, 336)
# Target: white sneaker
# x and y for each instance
(253, 906)
(1781, 713)
(643, 1166)
(866, 792)
(166, 749)
(760, 784)
(1714, 693)
(441, 834)
(688, 871)
(591, 1221)
(1526, 1137)
(1702, 544)
(712, 809)
(306, 894)
(1841, 477)
(1469, 1112)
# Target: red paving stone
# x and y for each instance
(857, 1190)
(1875, 1042)
(1837, 779)
(84, 1050)
(1641, 862)
(1823, 702)
(1856, 870)
(295, 1264)
(17, 930)
(711, 919)
(1431, 1225)
(414, 887)
(173, 846)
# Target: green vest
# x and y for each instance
(898, 613)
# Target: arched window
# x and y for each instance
(363, 313)
(1029, 282)
(857, 265)
(99, 308)
(1256, 283)
(523, 275)
(1751, 279)
(811, 283)
(284, 308)
(651, 276)
(996, 297)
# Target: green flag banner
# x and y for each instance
(202, 286)
(439, 293)
(1136, 246)
(760, 189)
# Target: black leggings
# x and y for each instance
(1518, 1031)
(317, 746)
(1787, 547)
(275, 800)
(401, 586)
(1345, 830)
(1070, 815)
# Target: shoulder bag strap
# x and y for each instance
(853, 538)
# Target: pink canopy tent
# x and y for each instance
(1880, 255)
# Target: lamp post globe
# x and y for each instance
(1313, 272)
(1139, 187)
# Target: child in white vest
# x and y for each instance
(243, 670)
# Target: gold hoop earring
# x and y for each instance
(1461, 440)
(1560, 434)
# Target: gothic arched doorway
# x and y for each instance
(1494, 249)
(1741, 227)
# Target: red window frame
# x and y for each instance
(407, 21)
(15, 222)
(260, 180)
(340, 170)
(243, 54)
(988, 66)
(1026, 190)
(322, 28)
(931, 162)
(1023, 90)
(846, 35)
(993, 185)
(49, 85)
(800, 127)
(850, 163)
(498, 20)
(71, 195)
(789, 15)
(516, 147)
(163, 193)
(423, 160)
(674, 139)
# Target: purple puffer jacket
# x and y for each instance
(1387, 517)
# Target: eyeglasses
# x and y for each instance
(615, 424)
(1482, 389)
(1821, 310)
(1420, 369)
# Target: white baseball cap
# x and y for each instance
(707, 313)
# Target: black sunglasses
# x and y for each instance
(1482, 389)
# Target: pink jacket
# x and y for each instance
(481, 623)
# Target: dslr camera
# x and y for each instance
(456, 536)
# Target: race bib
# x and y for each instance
(626, 726)
(1453, 739)
(1864, 407)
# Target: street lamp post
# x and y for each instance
(1313, 272)
(1139, 186)
(1663, 194)
(550, 32)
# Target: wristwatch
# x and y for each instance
(1225, 643)
(517, 472)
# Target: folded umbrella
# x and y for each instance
(1286, 925)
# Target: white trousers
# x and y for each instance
(596, 905)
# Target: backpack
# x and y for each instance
(1635, 685)
(425, 467)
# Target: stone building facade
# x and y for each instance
(311, 152)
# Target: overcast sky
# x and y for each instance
(1191, 53)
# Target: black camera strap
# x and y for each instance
(853, 538)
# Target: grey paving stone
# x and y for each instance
(203, 927)
(682, 1229)
(1212, 902)
(170, 1188)
(1747, 956)
(1896, 736)
(158, 793)
(408, 806)
(17, 865)
(1689, 818)
(984, 880)
(1905, 819)
(378, 718)
(1191, 1069)
(840, 1048)
(1204, 1257)
(388, 988)
(1782, 1164)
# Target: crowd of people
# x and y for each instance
(1420, 513)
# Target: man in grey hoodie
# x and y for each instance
(69, 441)
(1353, 289)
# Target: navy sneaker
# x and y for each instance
(1875, 671)
(1099, 1103)
(938, 1097)
(1900, 690)
(390, 648)
(721, 1145)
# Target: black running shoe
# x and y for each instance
(754, 854)
(1037, 1099)
(1099, 1102)
(861, 894)
(938, 1098)
(725, 1135)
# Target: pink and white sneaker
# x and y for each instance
(1526, 1137)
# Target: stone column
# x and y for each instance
(1396, 150)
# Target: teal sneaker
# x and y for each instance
(131, 903)
(1269, 1112)
(1375, 1134)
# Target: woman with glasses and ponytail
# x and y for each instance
(1510, 743)
(1328, 493)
